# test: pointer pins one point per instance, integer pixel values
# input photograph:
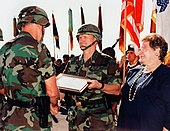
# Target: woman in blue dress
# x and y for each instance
(145, 102)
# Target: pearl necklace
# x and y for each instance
(137, 87)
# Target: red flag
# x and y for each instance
(82, 16)
(100, 26)
(134, 21)
(70, 28)
(15, 30)
(55, 32)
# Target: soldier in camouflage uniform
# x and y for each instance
(90, 110)
(26, 73)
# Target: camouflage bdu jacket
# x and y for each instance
(90, 109)
(24, 65)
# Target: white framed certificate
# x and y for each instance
(71, 82)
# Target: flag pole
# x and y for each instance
(124, 64)
(15, 30)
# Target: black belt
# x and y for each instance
(19, 103)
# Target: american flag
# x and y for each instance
(133, 19)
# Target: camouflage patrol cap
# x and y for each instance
(33, 14)
(90, 29)
(1, 35)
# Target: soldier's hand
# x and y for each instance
(94, 84)
(54, 109)
(122, 61)
(2, 91)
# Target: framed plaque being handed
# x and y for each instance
(71, 82)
